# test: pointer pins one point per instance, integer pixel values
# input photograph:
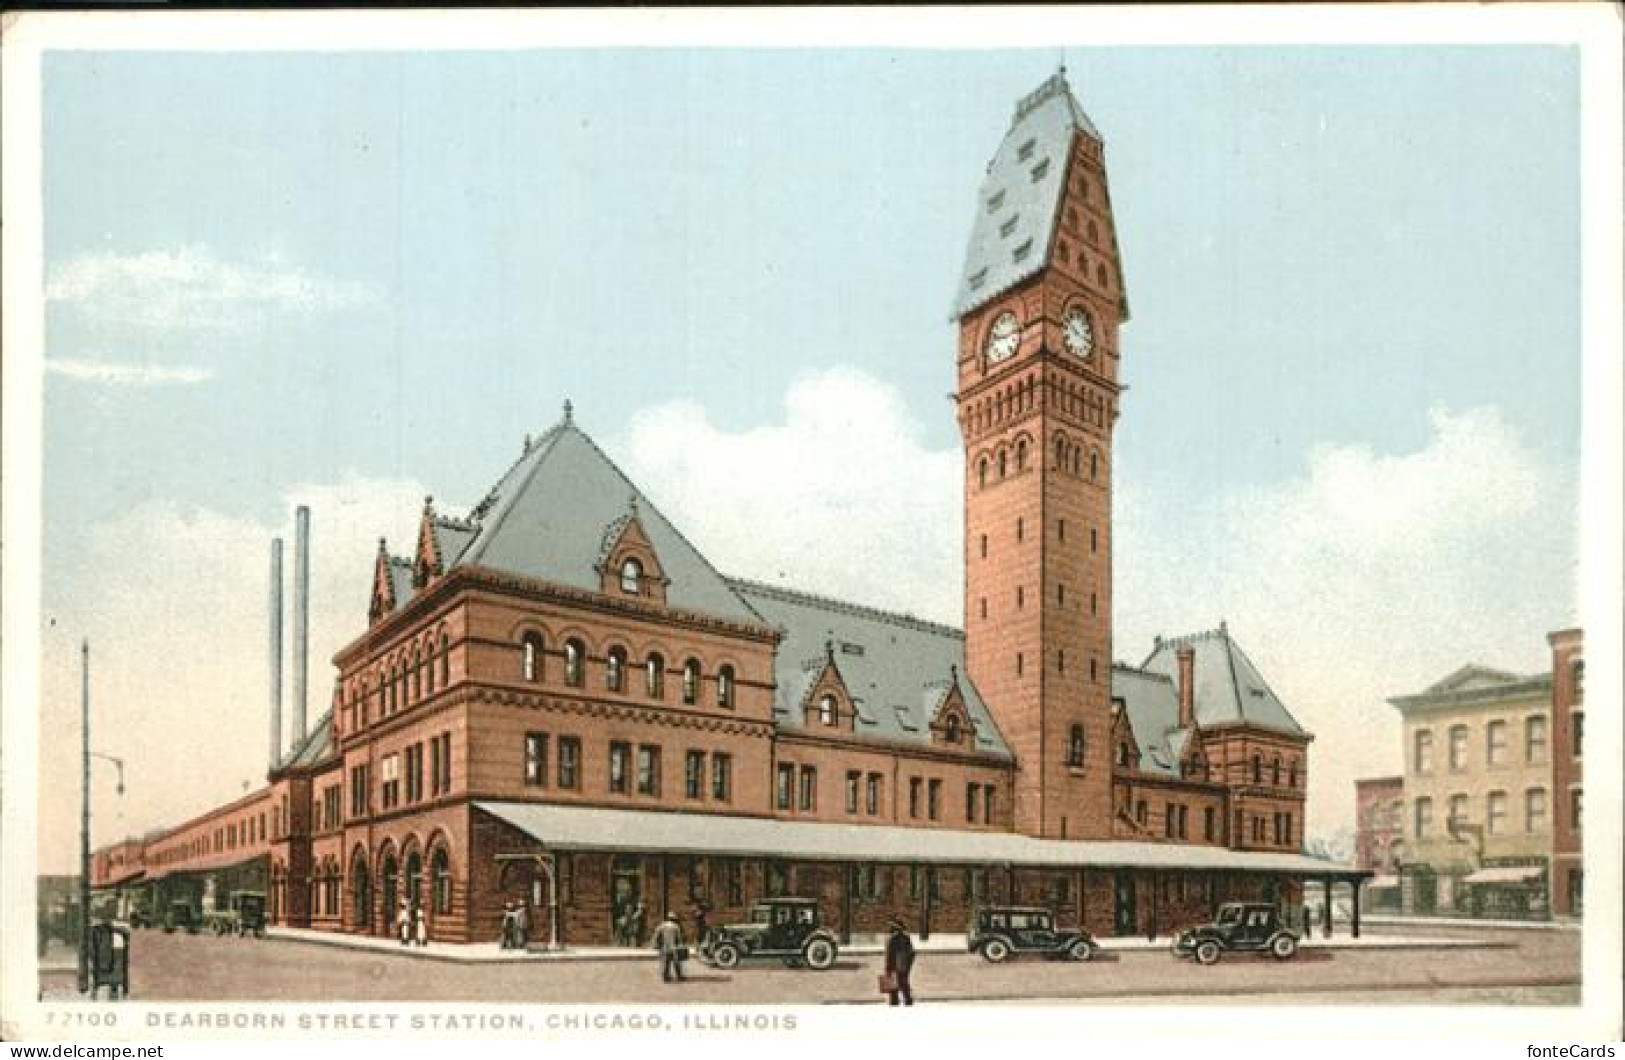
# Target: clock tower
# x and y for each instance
(1039, 307)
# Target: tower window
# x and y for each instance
(977, 278)
(1021, 455)
(1061, 529)
(1060, 595)
(1093, 604)
(995, 201)
(1060, 661)
(1001, 464)
(1094, 540)
(984, 546)
(981, 472)
(1100, 275)
(1026, 150)
(1040, 171)
(1009, 225)
(1021, 527)
(1022, 251)
(1018, 664)
(1074, 748)
(1021, 596)
(1092, 675)
(984, 607)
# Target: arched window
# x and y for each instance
(1074, 461)
(1100, 275)
(1275, 772)
(1060, 452)
(383, 693)
(414, 880)
(950, 730)
(428, 665)
(1021, 454)
(981, 472)
(826, 709)
(1292, 774)
(631, 576)
(575, 663)
(691, 682)
(615, 670)
(1094, 466)
(1258, 769)
(654, 673)
(445, 659)
(417, 676)
(530, 667)
(1001, 464)
(1074, 747)
(440, 865)
(725, 687)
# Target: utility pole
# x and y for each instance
(84, 817)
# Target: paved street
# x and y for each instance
(1519, 966)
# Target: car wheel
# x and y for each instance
(725, 955)
(995, 950)
(1080, 950)
(1284, 947)
(820, 954)
(1207, 952)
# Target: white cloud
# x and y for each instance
(128, 375)
(839, 498)
(192, 289)
(175, 604)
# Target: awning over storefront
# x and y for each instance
(1506, 875)
(592, 828)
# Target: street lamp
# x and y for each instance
(84, 815)
(545, 865)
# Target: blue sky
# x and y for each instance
(1353, 362)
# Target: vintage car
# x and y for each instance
(244, 915)
(1240, 927)
(180, 917)
(786, 929)
(998, 932)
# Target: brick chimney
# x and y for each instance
(1187, 686)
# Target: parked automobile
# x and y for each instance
(789, 929)
(180, 918)
(243, 915)
(999, 932)
(1240, 927)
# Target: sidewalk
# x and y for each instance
(862, 946)
(1561, 924)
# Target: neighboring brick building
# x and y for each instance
(1379, 843)
(558, 684)
(1492, 790)
(1568, 779)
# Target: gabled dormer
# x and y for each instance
(627, 563)
(441, 541)
(391, 584)
(951, 722)
(1125, 748)
(828, 706)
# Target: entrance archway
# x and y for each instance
(391, 880)
(361, 893)
(629, 920)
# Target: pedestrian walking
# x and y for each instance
(899, 963)
(420, 927)
(668, 942)
(521, 925)
(507, 925)
(403, 925)
(635, 926)
(702, 927)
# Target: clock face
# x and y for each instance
(1080, 334)
(1003, 338)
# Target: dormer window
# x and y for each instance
(1026, 150)
(995, 201)
(1009, 225)
(1122, 754)
(1022, 251)
(632, 576)
(977, 278)
(827, 713)
(951, 732)
(1040, 170)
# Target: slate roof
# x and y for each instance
(317, 746)
(897, 668)
(400, 579)
(1152, 703)
(1229, 688)
(547, 515)
(1021, 195)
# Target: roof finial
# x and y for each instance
(428, 500)
(829, 649)
(569, 411)
(953, 673)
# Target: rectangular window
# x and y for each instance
(1424, 818)
(1458, 812)
(694, 774)
(1534, 740)
(1422, 754)
(1575, 801)
(809, 788)
(735, 873)
(1495, 743)
(987, 804)
(1495, 815)
(648, 769)
(1578, 721)
(916, 883)
(434, 766)
(787, 780)
(933, 799)
(569, 762)
(1458, 748)
(970, 802)
(871, 795)
(914, 785)
(536, 759)
(1534, 810)
(854, 781)
(1208, 824)
(391, 781)
(620, 755)
(721, 776)
(445, 762)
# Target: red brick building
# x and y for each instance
(558, 700)
(1379, 836)
(1568, 774)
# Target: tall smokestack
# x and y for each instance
(1187, 686)
(301, 617)
(276, 651)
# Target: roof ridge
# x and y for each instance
(544, 445)
(922, 625)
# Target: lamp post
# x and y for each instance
(86, 754)
(545, 865)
